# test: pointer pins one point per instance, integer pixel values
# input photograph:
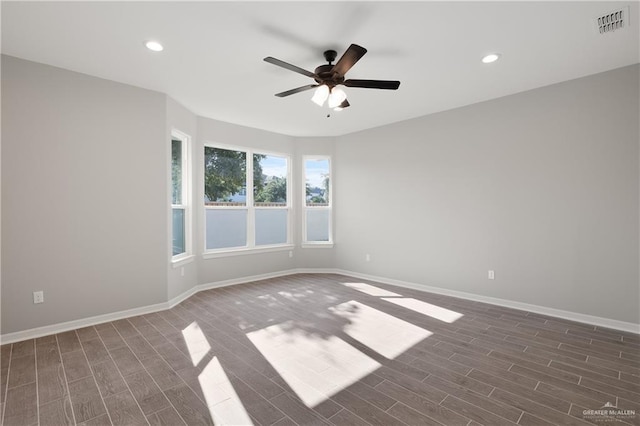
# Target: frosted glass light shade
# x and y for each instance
(321, 94)
(336, 97)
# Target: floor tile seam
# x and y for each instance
(518, 328)
(599, 338)
(165, 408)
(608, 395)
(559, 370)
(544, 374)
(543, 347)
(637, 369)
(102, 398)
(234, 338)
(607, 384)
(520, 418)
(537, 402)
(478, 395)
(411, 391)
(172, 369)
(483, 366)
(9, 376)
(338, 412)
(622, 333)
(595, 354)
(445, 343)
(6, 386)
(560, 340)
(476, 406)
(410, 408)
(539, 342)
(599, 376)
(246, 363)
(543, 394)
(183, 381)
(260, 395)
(66, 382)
(293, 395)
(482, 342)
(440, 376)
(554, 354)
(357, 415)
(35, 366)
(151, 376)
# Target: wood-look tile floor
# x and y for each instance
(310, 349)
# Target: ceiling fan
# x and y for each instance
(328, 77)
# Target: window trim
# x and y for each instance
(305, 208)
(250, 207)
(187, 255)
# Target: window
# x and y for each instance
(180, 211)
(246, 197)
(317, 201)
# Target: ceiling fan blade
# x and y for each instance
(344, 104)
(296, 90)
(373, 84)
(349, 59)
(288, 66)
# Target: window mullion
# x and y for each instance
(251, 211)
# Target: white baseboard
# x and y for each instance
(80, 323)
(242, 280)
(99, 319)
(558, 313)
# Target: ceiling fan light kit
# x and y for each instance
(336, 97)
(328, 76)
(320, 95)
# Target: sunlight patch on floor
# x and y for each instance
(196, 342)
(425, 308)
(314, 366)
(384, 333)
(371, 290)
(223, 402)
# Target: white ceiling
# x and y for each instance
(212, 62)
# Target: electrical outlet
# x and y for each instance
(38, 297)
(182, 271)
(290, 253)
(491, 275)
(367, 257)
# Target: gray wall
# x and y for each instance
(83, 180)
(542, 187)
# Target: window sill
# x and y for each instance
(243, 251)
(317, 245)
(181, 261)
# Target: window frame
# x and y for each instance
(305, 208)
(186, 175)
(250, 207)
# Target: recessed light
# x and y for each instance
(492, 57)
(154, 45)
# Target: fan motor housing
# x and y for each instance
(326, 76)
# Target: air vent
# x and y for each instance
(613, 21)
